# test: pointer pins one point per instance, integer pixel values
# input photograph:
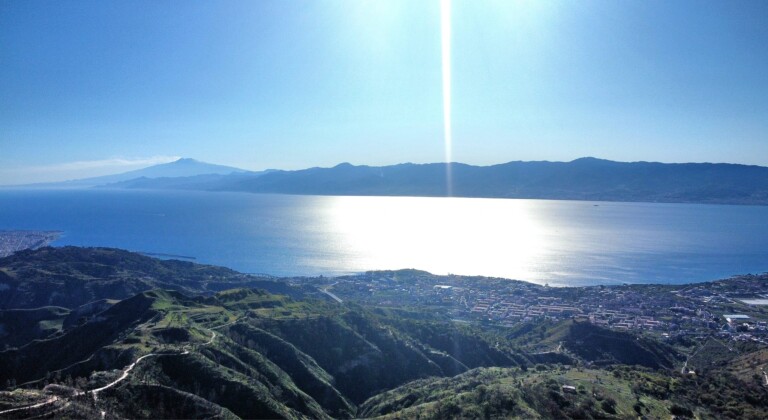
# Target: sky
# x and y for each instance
(95, 87)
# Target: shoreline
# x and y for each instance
(12, 241)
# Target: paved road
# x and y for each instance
(130, 367)
(30, 407)
(334, 297)
(122, 377)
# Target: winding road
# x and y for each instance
(126, 372)
(130, 367)
(31, 407)
(122, 377)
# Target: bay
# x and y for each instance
(554, 242)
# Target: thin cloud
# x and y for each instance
(118, 163)
(65, 171)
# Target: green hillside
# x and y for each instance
(597, 345)
(20, 326)
(70, 277)
(191, 352)
(247, 351)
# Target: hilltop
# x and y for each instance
(72, 276)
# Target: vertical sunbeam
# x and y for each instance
(445, 37)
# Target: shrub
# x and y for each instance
(609, 405)
(679, 410)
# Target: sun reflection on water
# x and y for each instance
(503, 236)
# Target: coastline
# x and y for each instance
(18, 240)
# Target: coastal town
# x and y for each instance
(17, 240)
(733, 309)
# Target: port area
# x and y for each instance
(16, 240)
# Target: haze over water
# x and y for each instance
(555, 242)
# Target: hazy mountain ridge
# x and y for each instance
(587, 179)
(181, 168)
(581, 179)
(205, 182)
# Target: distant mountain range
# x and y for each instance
(581, 179)
(181, 168)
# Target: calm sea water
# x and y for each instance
(555, 242)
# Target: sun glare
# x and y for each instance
(503, 236)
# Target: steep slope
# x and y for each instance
(314, 380)
(548, 392)
(241, 352)
(598, 345)
(20, 326)
(38, 358)
(339, 346)
(252, 354)
(601, 345)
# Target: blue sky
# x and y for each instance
(88, 88)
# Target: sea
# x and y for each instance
(560, 243)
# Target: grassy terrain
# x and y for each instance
(70, 277)
(594, 344)
(532, 393)
(249, 352)
(244, 352)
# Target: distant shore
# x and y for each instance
(163, 255)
